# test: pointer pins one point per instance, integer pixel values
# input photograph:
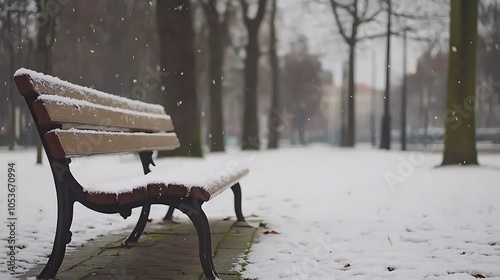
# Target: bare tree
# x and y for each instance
(274, 118)
(14, 19)
(217, 37)
(353, 18)
(349, 18)
(250, 139)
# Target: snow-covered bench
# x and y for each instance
(77, 121)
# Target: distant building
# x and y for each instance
(366, 100)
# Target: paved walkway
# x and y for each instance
(165, 251)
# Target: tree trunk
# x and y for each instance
(460, 137)
(43, 54)
(274, 116)
(176, 36)
(351, 125)
(251, 139)
(385, 133)
(215, 81)
(343, 109)
(10, 87)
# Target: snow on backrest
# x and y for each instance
(30, 82)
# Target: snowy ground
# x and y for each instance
(340, 214)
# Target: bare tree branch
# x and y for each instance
(357, 18)
(244, 6)
(395, 33)
(204, 5)
(346, 7)
(419, 17)
(365, 9)
(372, 17)
(342, 31)
(261, 10)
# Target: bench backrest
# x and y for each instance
(79, 121)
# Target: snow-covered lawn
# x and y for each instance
(340, 214)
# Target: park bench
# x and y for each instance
(75, 121)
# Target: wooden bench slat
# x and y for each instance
(220, 182)
(30, 82)
(163, 189)
(68, 143)
(224, 181)
(153, 190)
(50, 112)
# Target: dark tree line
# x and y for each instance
(164, 53)
(488, 46)
(45, 39)
(138, 50)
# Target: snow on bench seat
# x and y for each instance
(196, 179)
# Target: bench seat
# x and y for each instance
(198, 180)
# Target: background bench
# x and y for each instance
(75, 121)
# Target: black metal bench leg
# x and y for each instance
(192, 208)
(237, 202)
(139, 227)
(169, 215)
(63, 234)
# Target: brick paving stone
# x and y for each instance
(165, 251)
(228, 257)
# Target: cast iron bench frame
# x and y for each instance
(32, 86)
